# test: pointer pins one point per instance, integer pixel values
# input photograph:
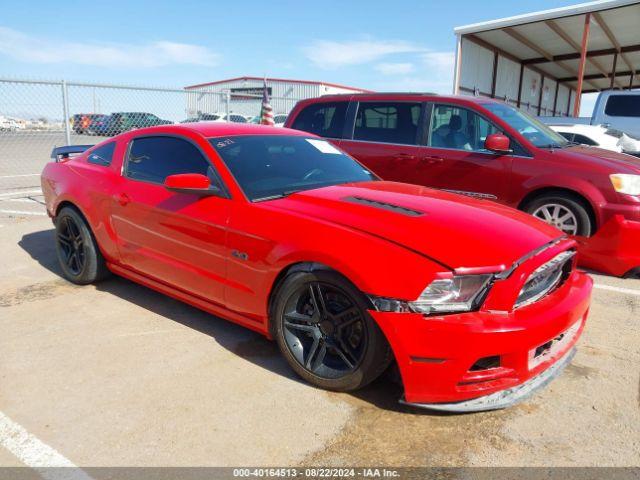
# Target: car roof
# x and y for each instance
(421, 96)
(215, 129)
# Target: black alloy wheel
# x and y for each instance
(71, 245)
(78, 253)
(325, 332)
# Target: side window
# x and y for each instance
(459, 129)
(387, 122)
(323, 119)
(102, 155)
(623, 106)
(152, 159)
(584, 140)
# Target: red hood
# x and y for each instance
(454, 230)
(613, 161)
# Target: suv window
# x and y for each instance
(387, 122)
(459, 129)
(102, 155)
(152, 159)
(623, 106)
(323, 119)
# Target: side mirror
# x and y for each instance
(193, 183)
(498, 143)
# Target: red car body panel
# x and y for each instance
(508, 179)
(184, 246)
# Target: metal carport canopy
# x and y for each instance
(544, 61)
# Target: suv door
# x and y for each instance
(458, 160)
(176, 238)
(385, 138)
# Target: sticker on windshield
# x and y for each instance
(323, 146)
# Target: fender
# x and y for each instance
(66, 184)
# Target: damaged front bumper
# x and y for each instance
(614, 249)
(503, 398)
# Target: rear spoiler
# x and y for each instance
(60, 153)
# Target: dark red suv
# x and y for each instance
(489, 149)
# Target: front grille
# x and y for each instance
(546, 278)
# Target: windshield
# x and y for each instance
(530, 128)
(272, 166)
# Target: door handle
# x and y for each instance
(123, 199)
(433, 160)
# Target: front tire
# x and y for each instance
(563, 211)
(78, 254)
(321, 324)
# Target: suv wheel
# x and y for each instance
(563, 211)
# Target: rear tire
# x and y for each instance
(78, 253)
(633, 273)
(321, 324)
(564, 211)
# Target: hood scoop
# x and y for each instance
(385, 206)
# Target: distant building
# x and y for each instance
(245, 94)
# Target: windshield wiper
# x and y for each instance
(277, 195)
(556, 145)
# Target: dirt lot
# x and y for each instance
(117, 374)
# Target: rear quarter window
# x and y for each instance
(323, 119)
(623, 106)
(102, 155)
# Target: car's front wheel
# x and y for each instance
(78, 253)
(322, 327)
(563, 211)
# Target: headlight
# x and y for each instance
(461, 293)
(456, 294)
(624, 183)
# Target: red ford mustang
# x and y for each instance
(281, 232)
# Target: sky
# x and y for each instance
(395, 45)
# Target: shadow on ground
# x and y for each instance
(383, 393)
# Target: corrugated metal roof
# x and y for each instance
(281, 80)
(554, 13)
(549, 42)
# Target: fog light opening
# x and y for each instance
(486, 363)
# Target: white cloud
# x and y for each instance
(440, 62)
(330, 54)
(394, 68)
(33, 49)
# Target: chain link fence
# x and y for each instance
(36, 116)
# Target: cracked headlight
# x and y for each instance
(460, 293)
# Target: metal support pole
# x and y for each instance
(65, 110)
(583, 61)
(494, 80)
(613, 71)
(541, 96)
(520, 84)
(228, 104)
(456, 68)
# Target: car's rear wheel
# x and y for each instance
(563, 211)
(78, 253)
(325, 333)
